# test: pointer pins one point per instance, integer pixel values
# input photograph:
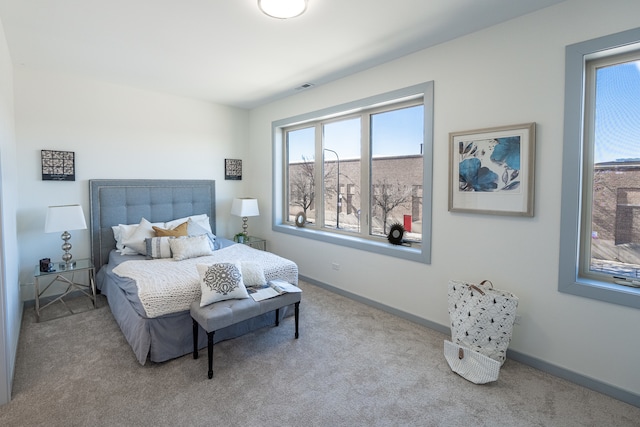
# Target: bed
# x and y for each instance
(163, 332)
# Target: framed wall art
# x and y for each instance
(58, 165)
(233, 169)
(492, 170)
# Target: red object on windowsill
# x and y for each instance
(407, 223)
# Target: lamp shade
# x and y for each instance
(64, 218)
(245, 207)
(282, 9)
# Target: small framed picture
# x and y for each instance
(492, 170)
(58, 165)
(233, 169)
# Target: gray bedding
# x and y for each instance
(166, 337)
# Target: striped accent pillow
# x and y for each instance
(158, 247)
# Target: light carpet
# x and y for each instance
(353, 365)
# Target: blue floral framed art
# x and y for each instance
(492, 170)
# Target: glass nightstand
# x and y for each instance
(65, 274)
(256, 242)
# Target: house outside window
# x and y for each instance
(600, 235)
(357, 170)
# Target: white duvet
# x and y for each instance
(166, 286)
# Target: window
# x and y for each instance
(396, 170)
(301, 189)
(356, 169)
(340, 144)
(600, 228)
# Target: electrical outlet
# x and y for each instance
(518, 319)
(335, 266)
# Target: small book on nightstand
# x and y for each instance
(273, 289)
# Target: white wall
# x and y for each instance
(509, 74)
(115, 132)
(512, 73)
(10, 306)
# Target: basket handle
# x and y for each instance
(477, 289)
(485, 281)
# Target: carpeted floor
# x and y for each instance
(352, 366)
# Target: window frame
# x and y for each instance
(571, 280)
(421, 253)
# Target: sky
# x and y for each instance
(397, 132)
(618, 113)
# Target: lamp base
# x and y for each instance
(67, 265)
(245, 226)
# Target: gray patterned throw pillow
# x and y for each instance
(220, 282)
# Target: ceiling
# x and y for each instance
(227, 51)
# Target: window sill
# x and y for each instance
(415, 252)
(603, 291)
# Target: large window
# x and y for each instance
(357, 169)
(600, 240)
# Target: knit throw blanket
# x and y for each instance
(167, 286)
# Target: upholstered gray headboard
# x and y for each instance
(115, 201)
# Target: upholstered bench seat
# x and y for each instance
(221, 314)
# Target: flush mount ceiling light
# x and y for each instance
(282, 9)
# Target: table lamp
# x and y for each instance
(245, 207)
(62, 219)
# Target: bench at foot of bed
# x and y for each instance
(221, 314)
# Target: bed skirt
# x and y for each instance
(170, 336)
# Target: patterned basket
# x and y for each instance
(482, 318)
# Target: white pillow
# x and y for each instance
(117, 235)
(190, 247)
(252, 274)
(195, 229)
(158, 247)
(219, 282)
(128, 251)
(202, 220)
(136, 240)
(121, 232)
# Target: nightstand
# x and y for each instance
(67, 275)
(256, 242)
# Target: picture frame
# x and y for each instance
(492, 171)
(58, 165)
(233, 169)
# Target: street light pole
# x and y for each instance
(337, 192)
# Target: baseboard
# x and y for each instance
(576, 378)
(415, 319)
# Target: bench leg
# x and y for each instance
(277, 316)
(210, 351)
(297, 316)
(195, 339)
